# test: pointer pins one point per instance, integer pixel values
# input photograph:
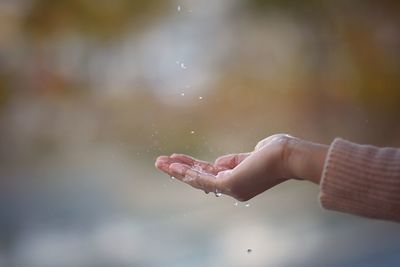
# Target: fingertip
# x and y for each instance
(225, 160)
(162, 158)
(158, 164)
(164, 168)
(231, 160)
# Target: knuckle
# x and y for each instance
(260, 144)
(276, 139)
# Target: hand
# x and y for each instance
(241, 176)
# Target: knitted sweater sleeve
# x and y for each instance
(362, 180)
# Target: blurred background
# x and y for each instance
(91, 92)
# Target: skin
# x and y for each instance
(274, 160)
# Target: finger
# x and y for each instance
(196, 164)
(196, 179)
(162, 163)
(230, 161)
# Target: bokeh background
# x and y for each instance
(91, 92)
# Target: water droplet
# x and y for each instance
(197, 167)
(236, 204)
(192, 132)
(182, 94)
(188, 179)
(247, 205)
(249, 250)
(206, 192)
(200, 97)
(172, 178)
(179, 8)
(217, 193)
(183, 66)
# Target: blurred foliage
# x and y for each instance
(97, 18)
(287, 5)
(5, 93)
(303, 5)
(354, 28)
(344, 80)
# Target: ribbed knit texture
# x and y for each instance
(362, 180)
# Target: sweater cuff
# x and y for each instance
(362, 180)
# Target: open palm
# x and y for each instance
(241, 176)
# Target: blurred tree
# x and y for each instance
(99, 18)
(295, 7)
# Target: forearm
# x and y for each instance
(362, 180)
(305, 160)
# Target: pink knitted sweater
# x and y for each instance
(362, 180)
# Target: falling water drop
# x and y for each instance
(200, 97)
(183, 66)
(172, 178)
(179, 8)
(192, 132)
(217, 193)
(182, 94)
(249, 250)
(247, 205)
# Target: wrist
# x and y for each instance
(305, 160)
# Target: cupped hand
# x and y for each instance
(241, 176)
